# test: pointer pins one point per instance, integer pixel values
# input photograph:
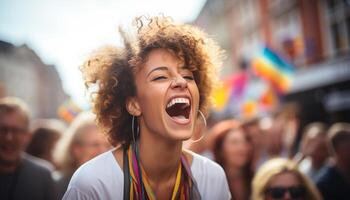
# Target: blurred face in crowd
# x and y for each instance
(254, 132)
(236, 148)
(285, 186)
(14, 136)
(89, 144)
(274, 135)
(317, 149)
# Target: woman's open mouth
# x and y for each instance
(179, 109)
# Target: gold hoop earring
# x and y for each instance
(205, 125)
(134, 137)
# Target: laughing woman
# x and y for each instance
(149, 96)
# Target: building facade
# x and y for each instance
(312, 34)
(24, 75)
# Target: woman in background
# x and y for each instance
(281, 179)
(81, 142)
(45, 135)
(233, 151)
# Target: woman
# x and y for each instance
(150, 94)
(280, 178)
(233, 151)
(45, 135)
(81, 142)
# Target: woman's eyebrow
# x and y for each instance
(184, 68)
(163, 68)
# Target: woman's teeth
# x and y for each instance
(178, 100)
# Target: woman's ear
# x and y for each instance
(133, 107)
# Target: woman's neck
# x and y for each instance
(237, 182)
(234, 172)
(160, 158)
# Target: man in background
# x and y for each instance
(20, 178)
(334, 183)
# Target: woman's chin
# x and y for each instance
(178, 130)
(180, 135)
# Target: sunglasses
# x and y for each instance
(279, 192)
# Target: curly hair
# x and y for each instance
(110, 70)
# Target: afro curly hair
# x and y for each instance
(110, 71)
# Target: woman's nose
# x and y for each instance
(179, 82)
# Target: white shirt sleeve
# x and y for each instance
(99, 178)
(211, 179)
(74, 193)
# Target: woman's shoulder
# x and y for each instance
(210, 178)
(98, 167)
(204, 165)
(101, 173)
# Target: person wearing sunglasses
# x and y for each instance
(280, 179)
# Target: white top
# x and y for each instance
(102, 178)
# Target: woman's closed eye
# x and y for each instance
(158, 78)
(189, 77)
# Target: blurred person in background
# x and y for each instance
(151, 94)
(334, 181)
(254, 131)
(233, 150)
(44, 137)
(313, 153)
(81, 142)
(20, 177)
(280, 133)
(280, 179)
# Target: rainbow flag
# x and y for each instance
(230, 91)
(268, 100)
(273, 69)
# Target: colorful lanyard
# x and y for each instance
(140, 187)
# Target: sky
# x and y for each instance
(64, 32)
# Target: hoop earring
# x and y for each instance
(134, 137)
(205, 125)
(204, 120)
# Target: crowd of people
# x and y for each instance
(37, 161)
(254, 152)
(132, 149)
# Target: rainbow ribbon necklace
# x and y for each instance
(185, 187)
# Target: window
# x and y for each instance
(335, 36)
(348, 28)
(338, 17)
